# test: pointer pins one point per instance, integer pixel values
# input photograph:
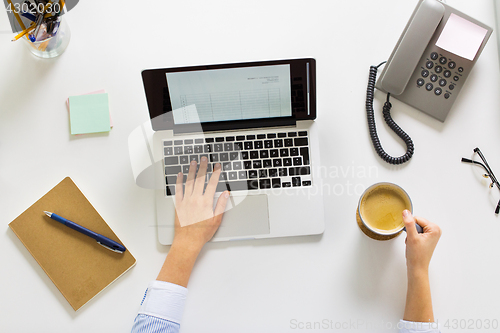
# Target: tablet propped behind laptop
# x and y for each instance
(257, 120)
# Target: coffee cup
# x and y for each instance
(380, 208)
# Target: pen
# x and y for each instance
(33, 36)
(29, 16)
(104, 241)
(41, 15)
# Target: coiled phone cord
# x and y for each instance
(370, 93)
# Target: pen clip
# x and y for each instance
(110, 248)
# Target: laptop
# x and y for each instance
(257, 119)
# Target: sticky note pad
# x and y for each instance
(461, 37)
(89, 113)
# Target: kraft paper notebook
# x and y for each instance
(77, 264)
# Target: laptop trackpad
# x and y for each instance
(250, 217)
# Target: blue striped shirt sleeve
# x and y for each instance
(150, 324)
(161, 308)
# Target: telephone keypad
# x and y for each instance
(436, 71)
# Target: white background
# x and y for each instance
(252, 286)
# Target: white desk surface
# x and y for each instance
(340, 278)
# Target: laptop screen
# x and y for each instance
(231, 96)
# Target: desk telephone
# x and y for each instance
(427, 68)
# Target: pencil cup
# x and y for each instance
(52, 45)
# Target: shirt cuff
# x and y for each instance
(164, 300)
(413, 326)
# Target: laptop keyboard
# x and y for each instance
(249, 162)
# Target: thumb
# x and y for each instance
(221, 206)
(409, 220)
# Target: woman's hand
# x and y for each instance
(419, 247)
(196, 220)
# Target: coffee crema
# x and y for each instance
(381, 208)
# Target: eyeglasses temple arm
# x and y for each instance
(466, 160)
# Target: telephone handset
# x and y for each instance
(428, 66)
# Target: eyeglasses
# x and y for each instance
(489, 174)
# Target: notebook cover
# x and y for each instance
(77, 264)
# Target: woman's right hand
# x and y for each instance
(419, 247)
